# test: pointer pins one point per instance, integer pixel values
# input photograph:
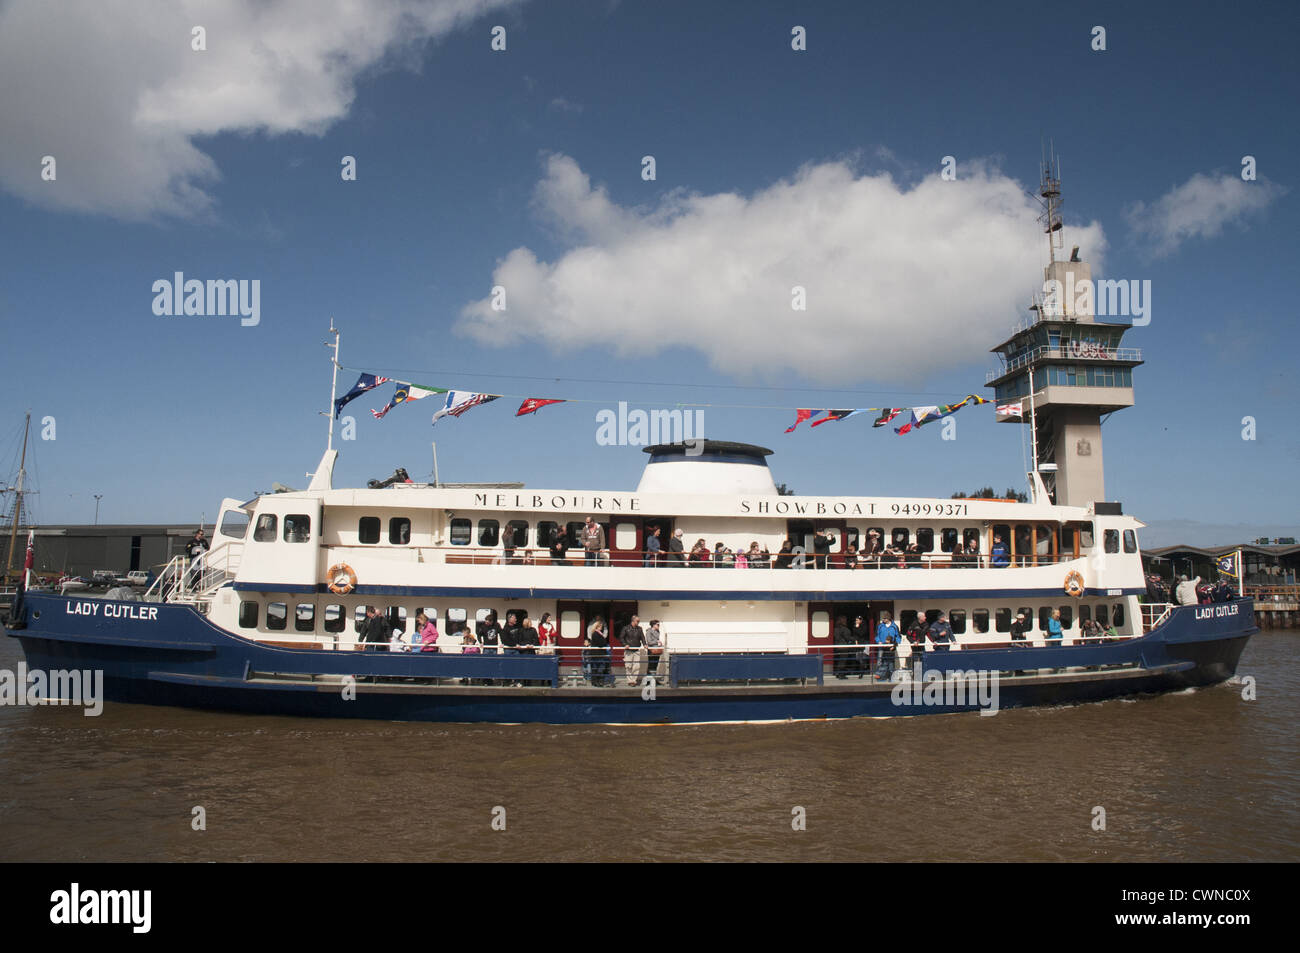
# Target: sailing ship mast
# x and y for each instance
(18, 498)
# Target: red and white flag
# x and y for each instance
(532, 405)
(30, 561)
(1007, 411)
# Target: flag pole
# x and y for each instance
(334, 385)
(1033, 419)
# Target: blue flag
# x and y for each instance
(364, 383)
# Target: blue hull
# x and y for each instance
(174, 656)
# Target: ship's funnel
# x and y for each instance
(707, 466)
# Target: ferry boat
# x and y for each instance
(270, 620)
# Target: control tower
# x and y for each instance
(1065, 369)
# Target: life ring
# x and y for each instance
(342, 569)
(1074, 583)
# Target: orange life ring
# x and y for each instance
(1074, 583)
(342, 569)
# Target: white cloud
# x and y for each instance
(902, 282)
(1199, 208)
(115, 93)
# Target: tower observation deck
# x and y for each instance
(1067, 369)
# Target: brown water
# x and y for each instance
(1200, 775)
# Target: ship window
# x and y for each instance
(460, 532)
(516, 533)
(1085, 536)
(456, 621)
(304, 617)
(880, 535)
(1024, 540)
(1085, 614)
(570, 624)
(948, 539)
(368, 529)
(574, 529)
(1110, 538)
(905, 620)
(957, 618)
(625, 536)
(969, 536)
(1044, 617)
(1067, 616)
(931, 615)
(264, 532)
(1002, 620)
(925, 539)
(359, 617)
(1002, 531)
(399, 530)
(980, 619)
(333, 618)
(297, 528)
(277, 616)
(1130, 541)
(821, 624)
(1102, 616)
(899, 536)
(248, 613)
(546, 532)
(396, 618)
(1117, 615)
(1067, 541)
(1028, 613)
(489, 532)
(1045, 533)
(851, 537)
(234, 523)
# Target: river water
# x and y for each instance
(1201, 775)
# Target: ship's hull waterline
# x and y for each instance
(177, 657)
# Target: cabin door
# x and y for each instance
(624, 536)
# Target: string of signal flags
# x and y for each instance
(457, 402)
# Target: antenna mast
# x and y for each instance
(334, 384)
(18, 496)
(1049, 191)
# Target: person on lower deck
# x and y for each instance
(886, 637)
(654, 641)
(427, 633)
(1054, 630)
(595, 657)
(376, 631)
(918, 631)
(1185, 591)
(634, 651)
(861, 647)
(843, 638)
(941, 633)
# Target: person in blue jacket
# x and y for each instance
(1001, 557)
(887, 637)
(1054, 625)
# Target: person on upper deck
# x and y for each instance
(785, 556)
(560, 546)
(593, 542)
(894, 558)
(1001, 556)
(913, 553)
(652, 547)
(973, 554)
(676, 550)
(700, 555)
(822, 544)
(851, 558)
(872, 550)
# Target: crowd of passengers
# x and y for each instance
(874, 554)
(1189, 592)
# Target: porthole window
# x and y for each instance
(304, 617)
(460, 531)
(277, 616)
(334, 618)
(980, 619)
(1002, 620)
(925, 539)
(399, 530)
(1110, 539)
(248, 613)
(297, 528)
(489, 532)
(1117, 615)
(957, 619)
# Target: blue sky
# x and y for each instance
(771, 164)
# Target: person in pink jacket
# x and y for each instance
(428, 633)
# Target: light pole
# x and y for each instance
(98, 497)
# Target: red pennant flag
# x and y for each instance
(534, 404)
(802, 414)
